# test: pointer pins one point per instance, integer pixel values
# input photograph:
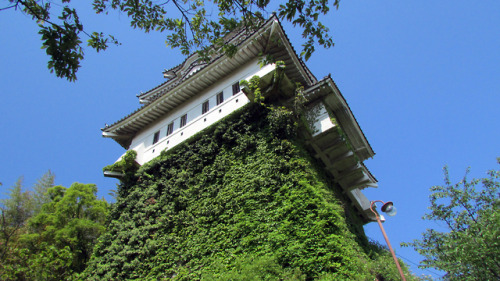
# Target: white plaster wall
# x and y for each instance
(143, 141)
(320, 118)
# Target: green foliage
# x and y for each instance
(190, 25)
(126, 166)
(254, 90)
(382, 264)
(469, 249)
(279, 119)
(250, 268)
(280, 113)
(62, 43)
(47, 263)
(57, 241)
(14, 211)
(238, 201)
(306, 14)
(40, 189)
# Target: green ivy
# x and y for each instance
(240, 200)
(127, 166)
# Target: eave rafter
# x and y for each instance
(344, 167)
(342, 148)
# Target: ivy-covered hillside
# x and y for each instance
(241, 200)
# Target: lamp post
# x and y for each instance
(390, 210)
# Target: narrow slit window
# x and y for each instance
(220, 98)
(236, 88)
(170, 129)
(156, 137)
(183, 120)
(205, 107)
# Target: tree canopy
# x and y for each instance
(18, 207)
(469, 248)
(191, 25)
(48, 233)
(70, 222)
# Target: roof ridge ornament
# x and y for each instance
(168, 74)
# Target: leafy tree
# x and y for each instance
(19, 206)
(14, 211)
(59, 240)
(190, 25)
(40, 195)
(470, 248)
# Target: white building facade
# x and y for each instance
(196, 114)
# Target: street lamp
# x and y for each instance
(390, 210)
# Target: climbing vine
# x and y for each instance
(280, 112)
(237, 199)
(126, 166)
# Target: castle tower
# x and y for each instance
(198, 94)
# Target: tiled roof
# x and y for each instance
(178, 80)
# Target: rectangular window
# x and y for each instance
(156, 137)
(170, 129)
(205, 107)
(236, 88)
(183, 120)
(220, 98)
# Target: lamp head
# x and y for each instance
(389, 209)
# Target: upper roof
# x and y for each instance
(190, 77)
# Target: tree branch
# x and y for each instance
(10, 7)
(182, 10)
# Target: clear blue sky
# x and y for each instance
(420, 76)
